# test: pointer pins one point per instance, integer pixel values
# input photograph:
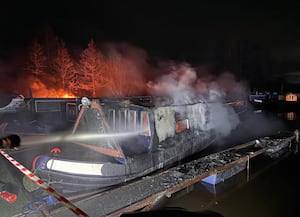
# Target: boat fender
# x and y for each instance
(40, 161)
(55, 150)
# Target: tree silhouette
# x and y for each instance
(36, 64)
(63, 66)
(74, 83)
(90, 66)
(119, 73)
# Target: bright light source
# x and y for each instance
(85, 101)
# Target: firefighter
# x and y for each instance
(11, 141)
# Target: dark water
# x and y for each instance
(271, 189)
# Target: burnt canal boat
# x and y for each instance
(115, 141)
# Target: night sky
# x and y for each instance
(255, 37)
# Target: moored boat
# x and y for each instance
(115, 141)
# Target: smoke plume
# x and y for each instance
(184, 84)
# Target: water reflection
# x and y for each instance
(291, 116)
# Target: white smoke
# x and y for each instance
(184, 84)
(223, 119)
(178, 83)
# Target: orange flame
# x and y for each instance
(40, 90)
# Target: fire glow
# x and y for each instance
(40, 90)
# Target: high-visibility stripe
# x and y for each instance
(75, 167)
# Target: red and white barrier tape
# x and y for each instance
(44, 185)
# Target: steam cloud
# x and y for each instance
(184, 84)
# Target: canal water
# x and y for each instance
(270, 189)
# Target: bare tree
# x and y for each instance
(90, 66)
(74, 83)
(63, 65)
(36, 64)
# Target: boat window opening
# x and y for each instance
(44, 105)
(71, 111)
(112, 119)
(132, 120)
(145, 124)
(122, 119)
(182, 125)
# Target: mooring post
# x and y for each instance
(248, 166)
(296, 133)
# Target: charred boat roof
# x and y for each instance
(151, 101)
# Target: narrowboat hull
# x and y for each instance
(108, 172)
(112, 144)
